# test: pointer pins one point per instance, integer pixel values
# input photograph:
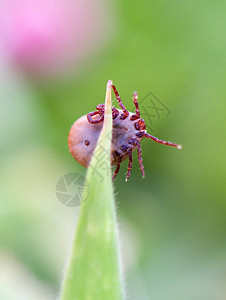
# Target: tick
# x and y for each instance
(128, 131)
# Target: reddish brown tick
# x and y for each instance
(128, 131)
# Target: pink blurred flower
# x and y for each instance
(46, 37)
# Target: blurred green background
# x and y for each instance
(172, 223)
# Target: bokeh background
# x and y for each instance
(56, 58)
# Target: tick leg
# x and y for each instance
(135, 97)
(129, 165)
(117, 168)
(149, 136)
(136, 143)
(125, 111)
(140, 159)
(98, 120)
(137, 113)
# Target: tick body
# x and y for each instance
(128, 131)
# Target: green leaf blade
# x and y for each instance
(94, 272)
